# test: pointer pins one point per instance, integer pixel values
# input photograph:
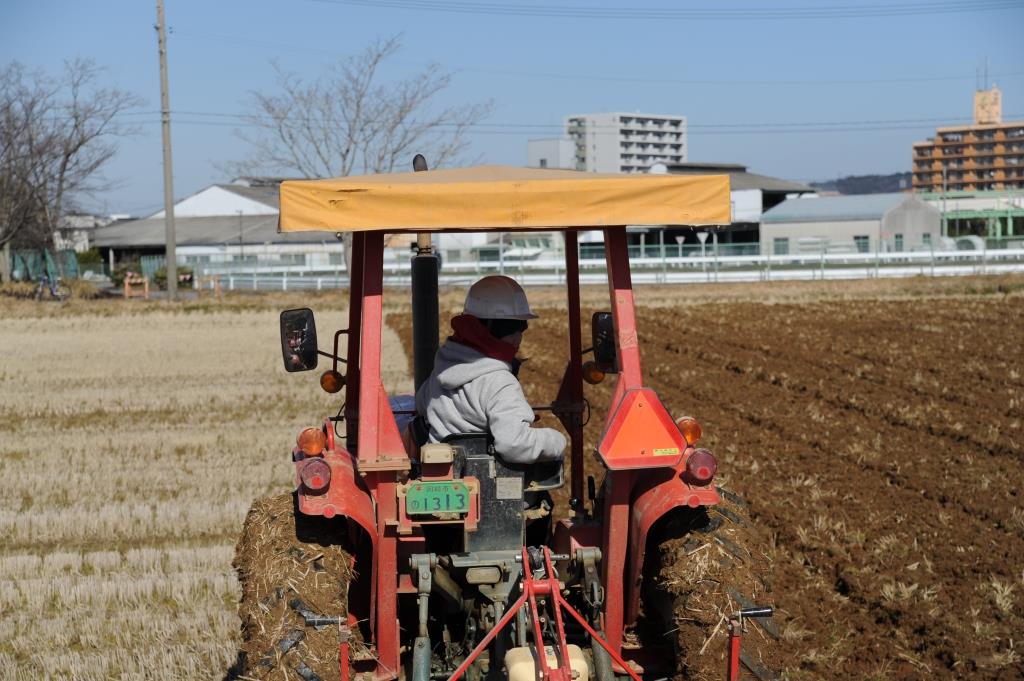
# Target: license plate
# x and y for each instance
(437, 497)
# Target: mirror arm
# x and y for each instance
(337, 359)
(334, 357)
(337, 336)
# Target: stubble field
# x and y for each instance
(876, 432)
(132, 442)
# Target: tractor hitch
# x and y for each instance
(536, 555)
(538, 591)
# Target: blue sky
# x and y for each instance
(913, 69)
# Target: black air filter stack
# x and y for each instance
(425, 330)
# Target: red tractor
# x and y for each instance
(444, 585)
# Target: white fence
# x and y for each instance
(646, 270)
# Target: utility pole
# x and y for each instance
(171, 256)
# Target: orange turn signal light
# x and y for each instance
(312, 441)
(592, 373)
(690, 429)
(332, 381)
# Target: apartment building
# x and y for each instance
(985, 156)
(557, 152)
(625, 142)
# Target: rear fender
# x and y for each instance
(348, 498)
(656, 493)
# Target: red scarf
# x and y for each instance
(471, 332)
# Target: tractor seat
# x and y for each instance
(537, 477)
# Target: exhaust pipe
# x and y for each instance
(425, 328)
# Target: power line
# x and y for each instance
(242, 120)
(749, 13)
(724, 82)
(548, 75)
(255, 121)
(699, 130)
(258, 120)
(252, 41)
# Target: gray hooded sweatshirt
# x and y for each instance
(469, 392)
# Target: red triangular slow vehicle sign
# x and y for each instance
(641, 434)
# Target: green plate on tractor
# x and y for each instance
(437, 497)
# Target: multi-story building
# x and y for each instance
(987, 155)
(556, 152)
(625, 142)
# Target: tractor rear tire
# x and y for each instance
(289, 564)
(702, 566)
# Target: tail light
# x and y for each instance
(700, 468)
(315, 475)
(312, 441)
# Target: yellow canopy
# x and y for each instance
(502, 197)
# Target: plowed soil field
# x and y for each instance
(880, 443)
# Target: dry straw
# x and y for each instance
(131, 447)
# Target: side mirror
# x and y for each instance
(602, 330)
(298, 340)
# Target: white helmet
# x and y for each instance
(497, 297)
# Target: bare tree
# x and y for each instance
(22, 105)
(56, 136)
(348, 121)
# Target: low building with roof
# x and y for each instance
(996, 216)
(234, 226)
(751, 194)
(229, 225)
(864, 223)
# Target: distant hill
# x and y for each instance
(866, 184)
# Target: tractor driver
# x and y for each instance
(473, 387)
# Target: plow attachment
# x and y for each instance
(534, 592)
